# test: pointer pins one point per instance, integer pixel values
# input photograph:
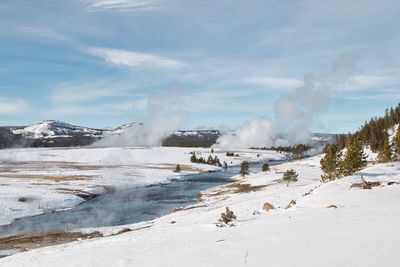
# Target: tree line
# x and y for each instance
(347, 156)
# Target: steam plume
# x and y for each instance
(165, 114)
(295, 112)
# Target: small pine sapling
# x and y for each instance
(265, 167)
(290, 176)
(227, 218)
(177, 168)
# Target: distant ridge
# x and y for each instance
(54, 133)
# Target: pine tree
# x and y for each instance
(355, 158)
(210, 160)
(290, 176)
(396, 143)
(265, 167)
(244, 168)
(193, 158)
(330, 163)
(177, 168)
(385, 154)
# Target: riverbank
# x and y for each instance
(327, 224)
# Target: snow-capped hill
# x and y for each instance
(193, 138)
(123, 127)
(199, 133)
(53, 128)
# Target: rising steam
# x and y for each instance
(295, 112)
(164, 116)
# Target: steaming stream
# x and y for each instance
(125, 206)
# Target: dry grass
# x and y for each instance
(54, 178)
(188, 208)
(27, 242)
(237, 188)
(77, 192)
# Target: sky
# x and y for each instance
(101, 63)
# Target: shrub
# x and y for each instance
(230, 154)
(265, 167)
(290, 176)
(177, 168)
(227, 217)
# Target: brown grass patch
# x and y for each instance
(236, 188)
(188, 208)
(27, 242)
(245, 188)
(55, 178)
(77, 192)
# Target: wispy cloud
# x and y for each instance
(365, 82)
(110, 109)
(273, 82)
(102, 97)
(121, 5)
(87, 92)
(9, 106)
(135, 59)
(353, 83)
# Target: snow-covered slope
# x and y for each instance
(360, 229)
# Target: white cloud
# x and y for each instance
(121, 5)
(365, 82)
(277, 83)
(135, 59)
(113, 109)
(10, 106)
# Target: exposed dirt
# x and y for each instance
(27, 242)
(188, 208)
(31, 241)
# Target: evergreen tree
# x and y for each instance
(210, 160)
(330, 163)
(177, 168)
(385, 154)
(265, 167)
(290, 176)
(193, 158)
(396, 143)
(244, 168)
(355, 158)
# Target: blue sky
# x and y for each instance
(97, 62)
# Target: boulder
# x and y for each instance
(267, 206)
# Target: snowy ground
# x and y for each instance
(33, 181)
(362, 231)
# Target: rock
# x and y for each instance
(267, 206)
(332, 206)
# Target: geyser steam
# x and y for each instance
(295, 112)
(165, 114)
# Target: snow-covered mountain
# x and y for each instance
(53, 128)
